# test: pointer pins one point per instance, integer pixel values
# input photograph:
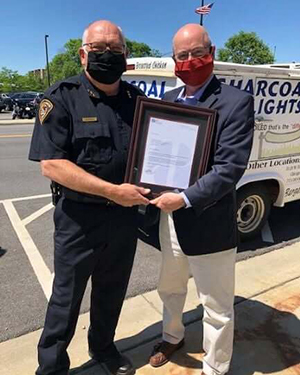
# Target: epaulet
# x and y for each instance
(71, 81)
(132, 89)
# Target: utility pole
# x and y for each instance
(274, 54)
(201, 15)
(47, 61)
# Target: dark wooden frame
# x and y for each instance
(147, 108)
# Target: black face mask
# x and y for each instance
(107, 67)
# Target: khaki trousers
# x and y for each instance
(214, 276)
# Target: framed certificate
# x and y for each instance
(170, 145)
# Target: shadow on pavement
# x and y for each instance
(2, 251)
(267, 340)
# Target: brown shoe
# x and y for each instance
(162, 352)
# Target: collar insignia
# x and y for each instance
(91, 93)
(45, 108)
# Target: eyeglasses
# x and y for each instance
(116, 49)
(196, 52)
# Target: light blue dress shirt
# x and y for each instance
(191, 100)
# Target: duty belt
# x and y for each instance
(85, 198)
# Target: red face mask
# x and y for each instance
(195, 72)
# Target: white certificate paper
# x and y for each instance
(169, 153)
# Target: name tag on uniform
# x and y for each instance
(89, 119)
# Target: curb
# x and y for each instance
(16, 122)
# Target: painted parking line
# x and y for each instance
(15, 135)
(40, 268)
(37, 214)
(27, 198)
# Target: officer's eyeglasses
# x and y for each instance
(116, 49)
(196, 52)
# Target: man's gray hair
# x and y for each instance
(86, 32)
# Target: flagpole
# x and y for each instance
(201, 16)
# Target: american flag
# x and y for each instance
(205, 9)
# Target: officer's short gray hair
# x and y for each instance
(86, 32)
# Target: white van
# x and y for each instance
(273, 173)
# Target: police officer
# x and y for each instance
(81, 138)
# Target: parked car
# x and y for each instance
(2, 105)
(24, 97)
(24, 111)
(25, 100)
(6, 99)
(14, 94)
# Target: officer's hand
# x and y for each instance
(169, 202)
(128, 195)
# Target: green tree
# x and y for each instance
(246, 48)
(137, 49)
(34, 83)
(66, 63)
(10, 80)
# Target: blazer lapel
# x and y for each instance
(171, 96)
(210, 95)
(208, 98)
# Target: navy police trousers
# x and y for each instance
(90, 240)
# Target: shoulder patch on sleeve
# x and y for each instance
(45, 108)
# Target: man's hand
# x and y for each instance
(128, 195)
(169, 202)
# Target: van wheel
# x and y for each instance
(254, 204)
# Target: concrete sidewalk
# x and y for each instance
(267, 338)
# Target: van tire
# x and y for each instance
(254, 204)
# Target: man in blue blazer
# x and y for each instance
(197, 227)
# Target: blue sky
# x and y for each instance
(23, 24)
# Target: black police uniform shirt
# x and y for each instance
(79, 123)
